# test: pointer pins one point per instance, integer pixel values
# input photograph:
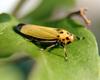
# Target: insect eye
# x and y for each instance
(67, 38)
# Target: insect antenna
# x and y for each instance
(79, 38)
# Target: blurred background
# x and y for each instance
(21, 9)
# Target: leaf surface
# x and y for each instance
(83, 56)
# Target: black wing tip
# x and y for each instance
(19, 26)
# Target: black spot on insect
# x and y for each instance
(63, 39)
(61, 32)
(67, 38)
(58, 36)
(68, 42)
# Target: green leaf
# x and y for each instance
(10, 72)
(83, 56)
(11, 42)
(46, 8)
(99, 67)
(82, 61)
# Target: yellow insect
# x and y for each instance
(46, 37)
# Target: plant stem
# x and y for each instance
(18, 7)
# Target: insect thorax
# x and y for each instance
(65, 37)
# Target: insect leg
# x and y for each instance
(65, 53)
(51, 43)
(49, 47)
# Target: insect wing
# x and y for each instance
(39, 31)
